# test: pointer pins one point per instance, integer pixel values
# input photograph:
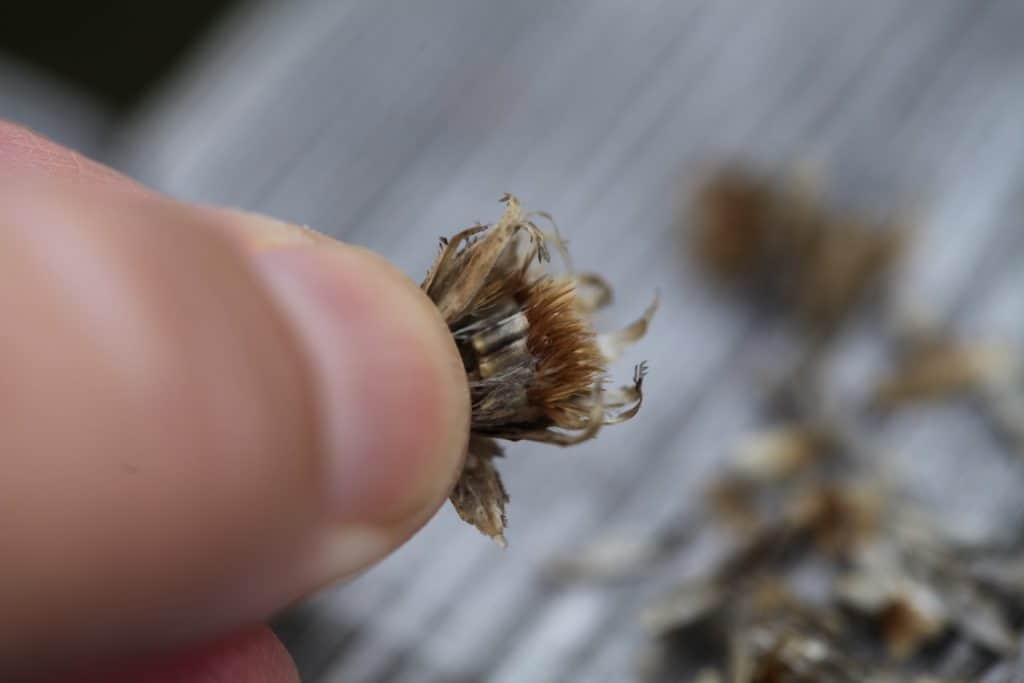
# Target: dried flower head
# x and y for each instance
(537, 370)
(788, 244)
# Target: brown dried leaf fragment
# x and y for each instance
(479, 496)
(536, 368)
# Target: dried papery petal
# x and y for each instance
(623, 403)
(592, 292)
(614, 344)
(468, 259)
(536, 368)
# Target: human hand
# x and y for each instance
(206, 415)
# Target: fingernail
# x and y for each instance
(391, 389)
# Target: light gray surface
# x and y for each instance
(33, 98)
(389, 124)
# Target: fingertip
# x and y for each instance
(254, 656)
(395, 407)
(235, 427)
(25, 152)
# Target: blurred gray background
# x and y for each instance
(389, 124)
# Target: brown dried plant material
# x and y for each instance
(767, 480)
(1003, 573)
(841, 516)
(940, 368)
(786, 641)
(785, 242)
(537, 370)
(608, 558)
(737, 503)
(708, 676)
(479, 495)
(781, 452)
(933, 364)
(809, 515)
(691, 604)
(909, 613)
(761, 632)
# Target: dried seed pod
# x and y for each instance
(537, 370)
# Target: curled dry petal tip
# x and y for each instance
(536, 368)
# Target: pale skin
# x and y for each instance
(207, 415)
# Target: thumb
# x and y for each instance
(207, 415)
